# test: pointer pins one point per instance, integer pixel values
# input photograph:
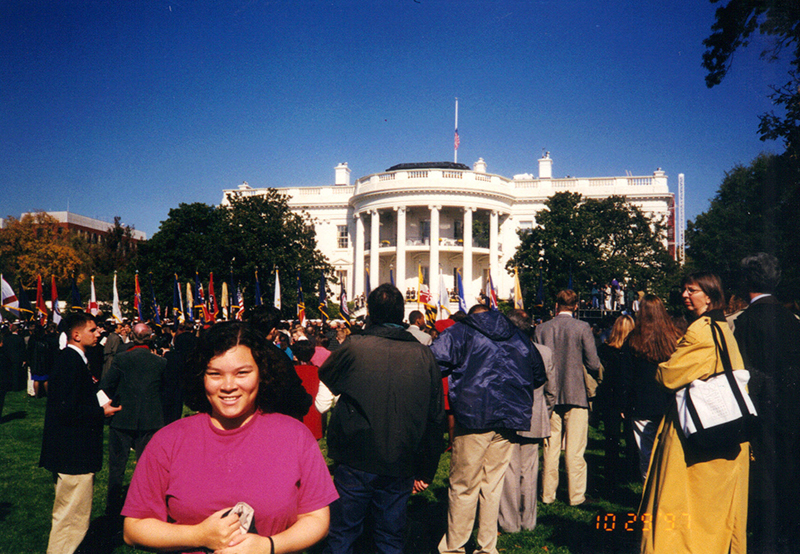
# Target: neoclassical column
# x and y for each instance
(433, 270)
(400, 278)
(358, 262)
(466, 271)
(374, 244)
(493, 248)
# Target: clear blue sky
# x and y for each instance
(130, 107)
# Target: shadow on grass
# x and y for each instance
(12, 416)
(104, 535)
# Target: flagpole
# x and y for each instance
(455, 144)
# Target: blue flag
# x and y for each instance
(343, 304)
(462, 302)
(25, 308)
(177, 303)
(367, 287)
(156, 316)
(76, 297)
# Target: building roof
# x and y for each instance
(429, 165)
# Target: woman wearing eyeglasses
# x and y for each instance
(695, 500)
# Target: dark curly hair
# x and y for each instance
(279, 388)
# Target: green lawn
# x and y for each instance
(26, 499)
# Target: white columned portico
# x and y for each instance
(466, 271)
(433, 270)
(358, 266)
(400, 278)
(374, 244)
(493, 248)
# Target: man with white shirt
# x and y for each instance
(72, 441)
(573, 347)
(416, 324)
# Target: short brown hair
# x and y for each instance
(567, 298)
(711, 285)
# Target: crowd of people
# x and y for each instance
(245, 473)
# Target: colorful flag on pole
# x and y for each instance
(25, 308)
(323, 297)
(189, 303)
(517, 291)
(212, 298)
(423, 294)
(41, 307)
(239, 302)
(367, 288)
(277, 299)
(462, 301)
(177, 303)
(225, 301)
(301, 305)
(76, 296)
(54, 300)
(92, 307)
(199, 299)
(8, 299)
(491, 294)
(457, 141)
(137, 297)
(444, 298)
(116, 312)
(391, 276)
(156, 309)
(343, 309)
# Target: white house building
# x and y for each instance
(441, 217)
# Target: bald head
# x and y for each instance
(141, 333)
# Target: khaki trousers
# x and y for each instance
(477, 467)
(573, 422)
(72, 512)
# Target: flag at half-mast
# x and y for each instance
(301, 305)
(92, 308)
(54, 300)
(323, 297)
(41, 307)
(137, 297)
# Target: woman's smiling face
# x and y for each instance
(231, 381)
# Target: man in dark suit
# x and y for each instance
(72, 442)
(573, 347)
(768, 336)
(134, 381)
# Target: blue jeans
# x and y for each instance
(387, 499)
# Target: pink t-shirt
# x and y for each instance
(191, 469)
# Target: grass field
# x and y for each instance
(26, 501)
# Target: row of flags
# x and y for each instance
(231, 303)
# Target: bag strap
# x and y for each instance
(722, 346)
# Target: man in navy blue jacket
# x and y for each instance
(493, 369)
(72, 442)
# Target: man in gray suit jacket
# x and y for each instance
(134, 381)
(573, 349)
(521, 482)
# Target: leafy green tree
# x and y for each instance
(588, 241)
(753, 211)
(252, 233)
(736, 22)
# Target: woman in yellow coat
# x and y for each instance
(695, 501)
